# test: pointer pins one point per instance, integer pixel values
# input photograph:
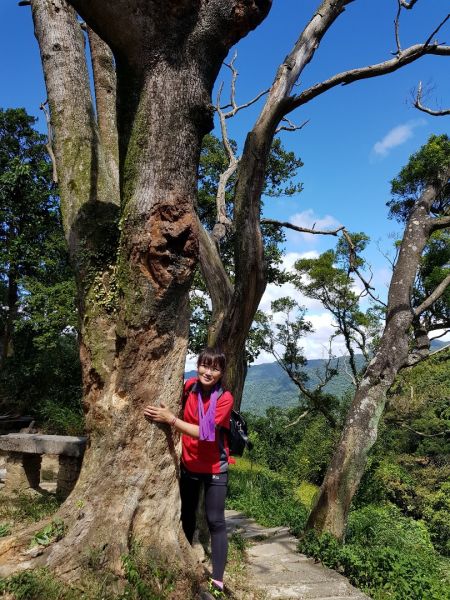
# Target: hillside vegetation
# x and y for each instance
(398, 539)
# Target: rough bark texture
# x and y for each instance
(361, 428)
(105, 83)
(133, 291)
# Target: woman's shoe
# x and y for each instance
(215, 590)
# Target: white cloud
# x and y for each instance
(396, 137)
(316, 343)
(310, 220)
(273, 292)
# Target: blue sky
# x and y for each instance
(358, 136)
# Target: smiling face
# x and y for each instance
(208, 375)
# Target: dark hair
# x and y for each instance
(212, 357)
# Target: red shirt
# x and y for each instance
(200, 456)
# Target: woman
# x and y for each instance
(205, 454)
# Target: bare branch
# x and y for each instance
(406, 4)
(386, 255)
(302, 229)
(418, 104)
(223, 223)
(427, 435)
(24, 3)
(357, 272)
(407, 56)
(291, 126)
(49, 144)
(350, 374)
(234, 107)
(299, 418)
(435, 295)
(396, 27)
(427, 43)
(436, 337)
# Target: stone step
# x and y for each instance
(280, 572)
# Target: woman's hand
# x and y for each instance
(160, 414)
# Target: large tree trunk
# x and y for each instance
(361, 427)
(135, 257)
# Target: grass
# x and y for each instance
(266, 496)
(22, 508)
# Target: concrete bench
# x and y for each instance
(24, 452)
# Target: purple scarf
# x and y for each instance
(207, 421)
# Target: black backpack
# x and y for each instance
(238, 432)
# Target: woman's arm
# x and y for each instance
(161, 414)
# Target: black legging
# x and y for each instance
(215, 494)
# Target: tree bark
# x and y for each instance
(133, 290)
(361, 427)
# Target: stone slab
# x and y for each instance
(32, 443)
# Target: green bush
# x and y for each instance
(386, 554)
(310, 457)
(437, 516)
(44, 383)
(268, 497)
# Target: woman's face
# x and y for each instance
(208, 376)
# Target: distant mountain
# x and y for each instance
(268, 385)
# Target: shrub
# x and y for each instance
(386, 554)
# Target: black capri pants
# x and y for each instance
(215, 494)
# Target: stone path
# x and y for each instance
(282, 573)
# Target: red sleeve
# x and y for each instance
(223, 410)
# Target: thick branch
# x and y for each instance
(105, 84)
(421, 434)
(406, 57)
(440, 223)
(435, 295)
(303, 229)
(79, 157)
(217, 281)
(406, 4)
(298, 419)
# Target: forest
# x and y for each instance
(119, 256)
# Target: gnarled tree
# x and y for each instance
(128, 210)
